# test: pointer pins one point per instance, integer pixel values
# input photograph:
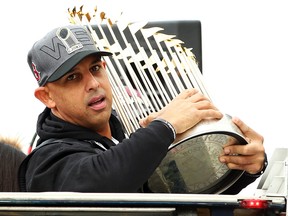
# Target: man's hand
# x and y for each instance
(249, 157)
(185, 111)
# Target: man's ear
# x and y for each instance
(42, 94)
(104, 64)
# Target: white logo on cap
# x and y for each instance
(68, 39)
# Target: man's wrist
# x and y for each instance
(168, 125)
(265, 164)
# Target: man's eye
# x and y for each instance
(71, 77)
(95, 68)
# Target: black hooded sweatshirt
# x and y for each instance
(77, 159)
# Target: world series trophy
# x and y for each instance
(148, 69)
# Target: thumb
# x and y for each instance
(144, 122)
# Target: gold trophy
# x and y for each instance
(147, 70)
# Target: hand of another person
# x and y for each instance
(185, 111)
(249, 157)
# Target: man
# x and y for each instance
(81, 144)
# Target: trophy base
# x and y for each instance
(192, 165)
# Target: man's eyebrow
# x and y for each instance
(97, 60)
(70, 71)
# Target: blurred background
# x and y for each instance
(244, 50)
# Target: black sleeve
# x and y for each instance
(122, 168)
(245, 180)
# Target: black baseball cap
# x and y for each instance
(59, 51)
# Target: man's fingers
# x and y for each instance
(249, 163)
(247, 131)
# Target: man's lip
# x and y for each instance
(97, 103)
(96, 99)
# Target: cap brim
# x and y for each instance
(72, 62)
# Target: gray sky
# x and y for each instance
(244, 45)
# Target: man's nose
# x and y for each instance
(91, 82)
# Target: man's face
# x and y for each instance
(83, 96)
